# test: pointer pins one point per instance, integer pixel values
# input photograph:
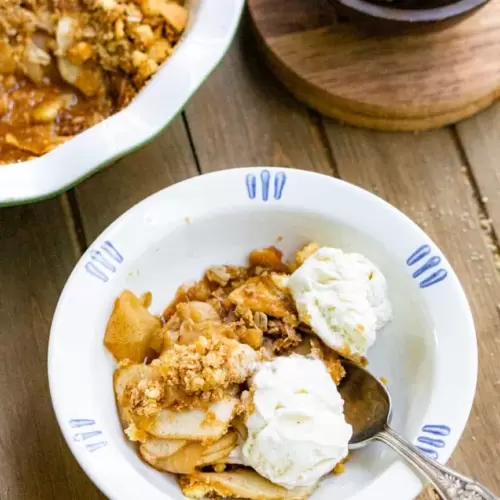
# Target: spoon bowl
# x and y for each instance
(367, 404)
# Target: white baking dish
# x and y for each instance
(212, 27)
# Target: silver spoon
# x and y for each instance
(367, 407)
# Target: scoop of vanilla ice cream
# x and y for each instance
(343, 298)
(297, 431)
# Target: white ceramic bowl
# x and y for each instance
(428, 353)
(211, 28)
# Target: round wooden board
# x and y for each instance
(411, 82)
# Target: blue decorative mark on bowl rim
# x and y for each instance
(84, 436)
(103, 261)
(429, 445)
(262, 183)
(430, 278)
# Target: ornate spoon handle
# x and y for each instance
(449, 484)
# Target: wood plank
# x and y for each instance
(422, 175)
(242, 116)
(166, 160)
(37, 253)
(480, 138)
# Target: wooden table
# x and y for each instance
(448, 181)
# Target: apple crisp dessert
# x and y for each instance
(231, 388)
(65, 65)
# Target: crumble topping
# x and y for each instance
(206, 367)
(191, 376)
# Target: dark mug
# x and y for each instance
(393, 16)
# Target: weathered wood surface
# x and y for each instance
(437, 178)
